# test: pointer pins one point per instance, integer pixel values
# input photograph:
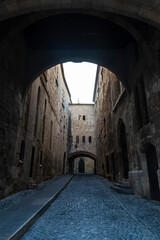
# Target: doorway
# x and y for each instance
(81, 166)
(32, 162)
(152, 165)
(123, 145)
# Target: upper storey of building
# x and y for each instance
(82, 134)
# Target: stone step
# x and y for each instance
(122, 190)
(122, 185)
(125, 183)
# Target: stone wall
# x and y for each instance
(82, 134)
(41, 142)
(127, 123)
(88, 165)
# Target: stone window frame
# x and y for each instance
(70, 138)
(77, 139)
(90, 139)
(83, 139)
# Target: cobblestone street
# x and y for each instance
(89, 209)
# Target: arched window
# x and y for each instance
(44, 120)
(32, 162)
(37, 112)
(51, 134)
(84, 117)
(90, 139)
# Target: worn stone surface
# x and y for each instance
(89, 165)
(89, 209)
(138, 112)
(44, 126)
(82, 126)
(122, 36)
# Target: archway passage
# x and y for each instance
(152, 164)
(74, 38)
(81, 166)
(123, 146)
(73, 156)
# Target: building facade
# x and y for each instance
(41, 143)
(117, 136)
(82, 140)
(127, 130)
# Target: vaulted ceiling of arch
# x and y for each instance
(55, 33)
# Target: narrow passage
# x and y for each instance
(88, 209)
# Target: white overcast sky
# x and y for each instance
(80, 78)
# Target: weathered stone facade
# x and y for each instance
(128, 130)
(84, 165)
(41, 142)
(122, 36)
(81, 134)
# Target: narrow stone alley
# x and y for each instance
(89, 209)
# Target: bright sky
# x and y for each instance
(80, 78)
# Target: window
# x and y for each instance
(83, 139)
(84, 117)
(90, 139)
(141, 105)
(32, 162)
(44, 119)
(22, 150)
(50, 140)
(70, 138)
(45, 76)
(56, 82)
(80, 117)
(77, 139)
(41, 157)
(27, 108)
(37, 112)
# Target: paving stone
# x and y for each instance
(89, 209)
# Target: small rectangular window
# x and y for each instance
(77, 139)
(83, 139)
(84, 117)
(71, 138)
(56, 82)
(80, 117)
(51, 134)
(90, 139)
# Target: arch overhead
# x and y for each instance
(77, 154)
(147, 11)
(46, 34)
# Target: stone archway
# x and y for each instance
(146, 11)
(74, 155)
